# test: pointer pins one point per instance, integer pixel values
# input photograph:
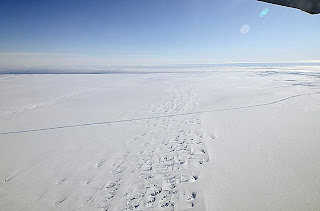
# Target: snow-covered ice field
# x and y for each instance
(210, 140)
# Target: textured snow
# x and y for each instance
(208, 140)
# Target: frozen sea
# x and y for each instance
(220, 139)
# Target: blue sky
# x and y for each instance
(144, 32)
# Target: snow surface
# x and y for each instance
(212, 140)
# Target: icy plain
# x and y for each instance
(207, 140)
